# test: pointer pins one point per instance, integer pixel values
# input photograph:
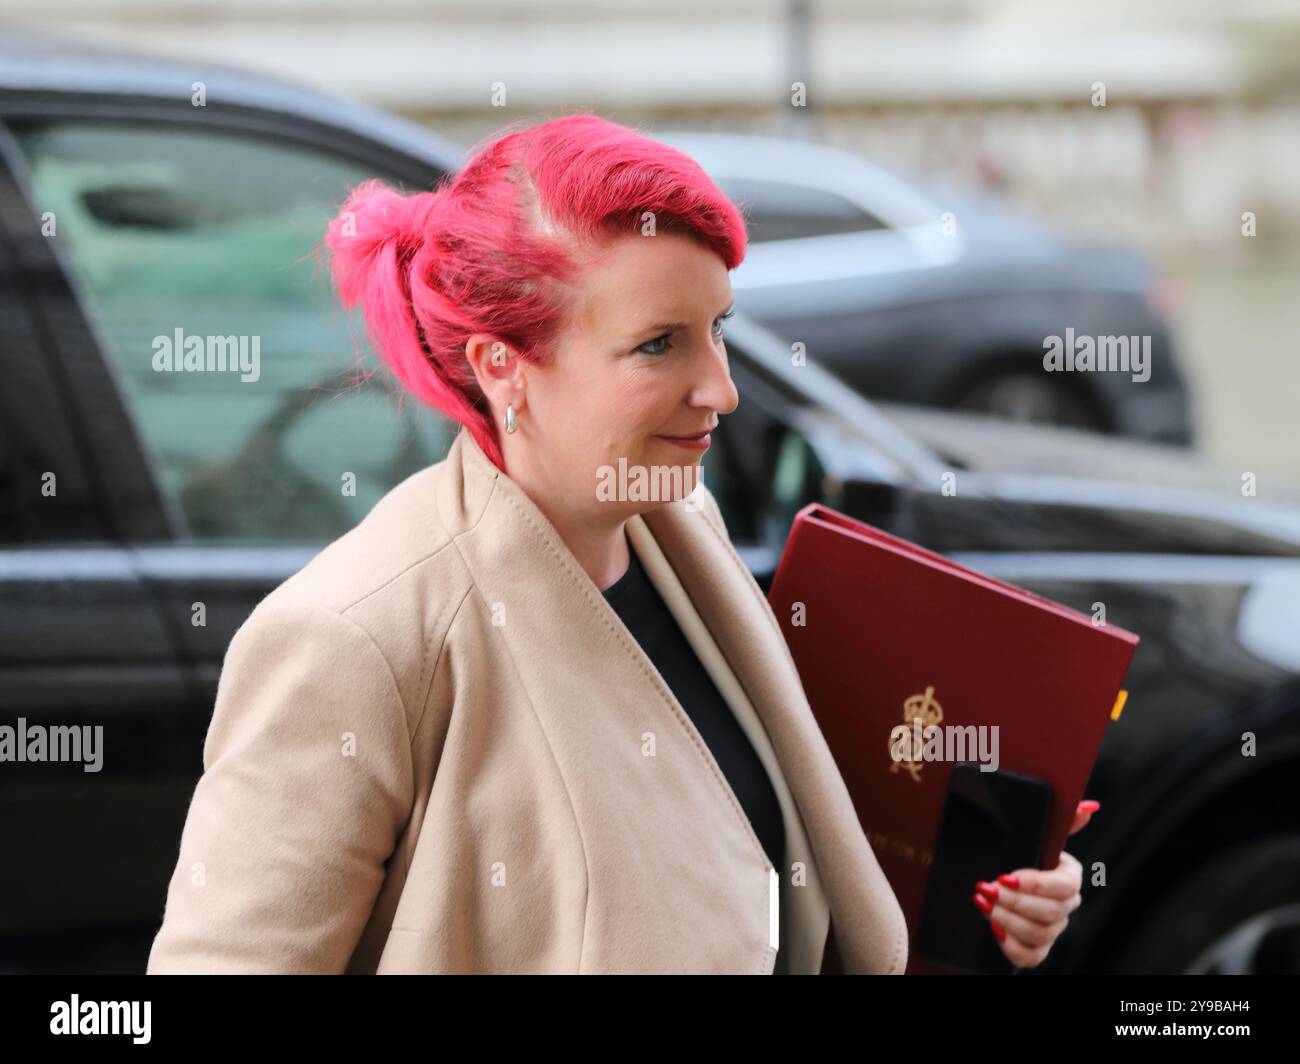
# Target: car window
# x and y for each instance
(777, 210)
(798, 479)
(743, 468)
(9, 512)
(723, 478)
(193, 251)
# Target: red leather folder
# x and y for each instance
(888, 630)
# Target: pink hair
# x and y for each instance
(476, 253)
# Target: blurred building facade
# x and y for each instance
(1162, 121)
(1172, 125)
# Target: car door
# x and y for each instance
(211, 486)
(84, 649)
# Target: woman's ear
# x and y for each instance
(498, 371)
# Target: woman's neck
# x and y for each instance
(601, 549)
(598, 542)
(602, 552)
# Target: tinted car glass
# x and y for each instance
(776, 210)
(193, 249)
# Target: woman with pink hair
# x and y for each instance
(533, 713)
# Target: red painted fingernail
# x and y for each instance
(997, 930)
(1010, 881)
(985, 905)
(988, 890)
(1089, 806)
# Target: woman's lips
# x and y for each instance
(699, 442)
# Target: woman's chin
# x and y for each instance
(654, 479)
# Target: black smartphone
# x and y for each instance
(993, 822)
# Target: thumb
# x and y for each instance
(1082, 814)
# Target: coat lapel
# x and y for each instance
(804, 916)
(597, 695)
(868, 922)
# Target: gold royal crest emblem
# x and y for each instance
(919, 712)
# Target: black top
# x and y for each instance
(634, 598)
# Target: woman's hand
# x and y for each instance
(1029, 908)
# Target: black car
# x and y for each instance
(145, 512)
(923, 292)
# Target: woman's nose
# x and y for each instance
(716, 390)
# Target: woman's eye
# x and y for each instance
(649, 343)
(650, 347)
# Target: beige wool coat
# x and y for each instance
(437, 749)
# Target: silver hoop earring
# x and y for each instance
(510, 418)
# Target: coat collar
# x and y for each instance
(526, 564)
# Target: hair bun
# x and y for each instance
(374, 220)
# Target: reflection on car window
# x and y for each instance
(198, 237)
(9, 509)
(776, 210)
(720, 475)
(797, 480)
